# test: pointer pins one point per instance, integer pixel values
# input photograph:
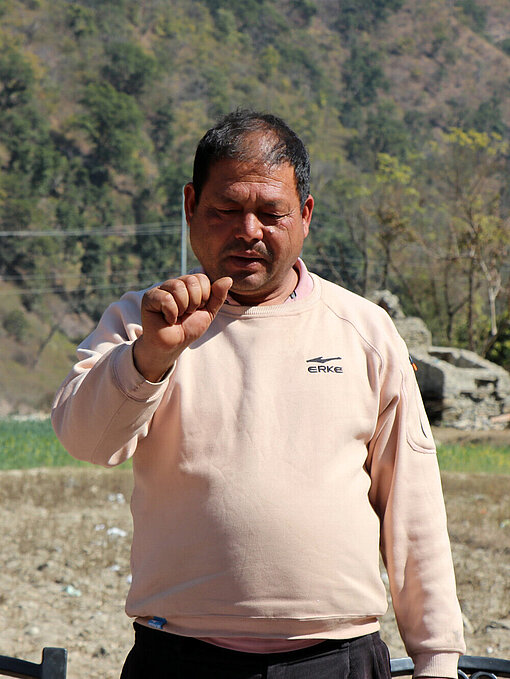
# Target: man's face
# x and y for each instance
(248, 224)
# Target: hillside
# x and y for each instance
(404, 104)
(36, 352)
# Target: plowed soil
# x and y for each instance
(65, 565)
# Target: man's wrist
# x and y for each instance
(150, 368)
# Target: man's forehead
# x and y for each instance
(232, 172)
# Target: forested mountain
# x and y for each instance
(404, 105)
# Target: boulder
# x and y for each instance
(414, 332)
(412, 329)
(388, 301)
(459, 388)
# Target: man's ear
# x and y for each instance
(306, 214)
(189, 201)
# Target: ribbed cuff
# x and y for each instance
(130, 381)
(436, 665)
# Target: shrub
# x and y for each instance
(16, 325)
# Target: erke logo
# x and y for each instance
(321, 368)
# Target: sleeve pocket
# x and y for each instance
(418, 432)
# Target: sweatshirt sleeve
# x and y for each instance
(406, 493)
(104, 406)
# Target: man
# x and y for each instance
(278, 441)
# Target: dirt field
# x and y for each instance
(65, 565)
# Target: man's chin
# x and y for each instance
(248, 287)
(246, 281)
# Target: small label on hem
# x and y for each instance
(157, 623)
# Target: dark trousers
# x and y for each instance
(159, 655)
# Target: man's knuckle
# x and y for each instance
(178, 285)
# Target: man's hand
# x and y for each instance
(174, 315)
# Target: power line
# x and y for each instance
(122, 230)
(138, 285)
(147, 278)
(41, 291)
(66, 276)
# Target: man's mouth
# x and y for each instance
(246, 262)
(249, 255)
(246, 255)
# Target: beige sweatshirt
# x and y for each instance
(286, 447)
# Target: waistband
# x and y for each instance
(160, 639)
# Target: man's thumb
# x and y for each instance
(219, 291)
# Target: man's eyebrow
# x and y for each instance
(274, 203)
(225, 198)
(278, 204)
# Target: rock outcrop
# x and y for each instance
(459, 388)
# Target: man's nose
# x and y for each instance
(249, 227)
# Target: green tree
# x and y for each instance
(363, 75)
(161, 127)
(486, 117)
(81, 20)
(112, 123)
(16, 325)
(474, 13)
(16, 79)
(393, 205)
(468, 169)
(338, 246)
(31, 164)
(363, 78)
(382, 132)
(129, 69)
(498, 348)
(363, 15)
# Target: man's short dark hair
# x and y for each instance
(229, 138)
